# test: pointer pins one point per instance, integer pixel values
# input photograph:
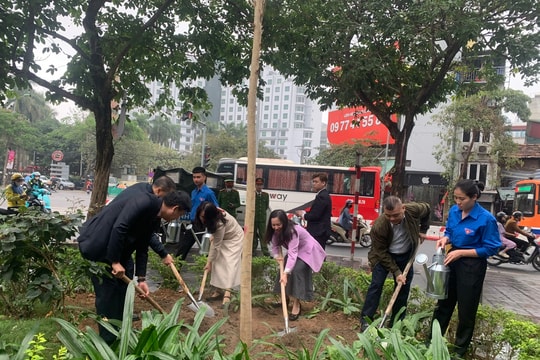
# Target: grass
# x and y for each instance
(16, 330)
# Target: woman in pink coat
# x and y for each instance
(304, 256)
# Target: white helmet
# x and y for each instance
(36, 173)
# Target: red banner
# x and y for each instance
(341, 129)
(10, 159)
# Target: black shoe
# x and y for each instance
(363, 326)
(294, 317)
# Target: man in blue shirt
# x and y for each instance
(200, 194)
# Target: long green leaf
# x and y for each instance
(127, 321)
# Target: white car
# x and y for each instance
(62, 183)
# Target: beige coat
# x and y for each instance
(226, 254)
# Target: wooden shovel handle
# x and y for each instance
(203, 283)
(146, 297)
(398, 288)
(283, 295)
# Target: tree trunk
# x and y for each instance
(245, 284)
(104, 155)
(398, 176)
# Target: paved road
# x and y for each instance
(513, 287)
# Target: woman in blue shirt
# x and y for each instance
(471, 232)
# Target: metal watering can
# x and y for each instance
(173, 232)
(205, 244)
(437, 274)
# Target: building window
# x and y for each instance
(276, 98)
(277, 89)
(274, 125)
(238, 117)
(231, 101)
(286, 98)
(266, 98)
(266, 107)
(287, 88)
(283, 133)
(285, 106)
(276, 107)
(285, 116)
(223, 101)
(299, 108)
(281, 142)
(300, 98)
(274, 116)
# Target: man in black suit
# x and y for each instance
(121, 228)
(319, 216)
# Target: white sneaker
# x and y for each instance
(504, 255)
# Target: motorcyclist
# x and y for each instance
(508, 246)
(15, 194)
(345, 218)
(35, 181)
(511, 227)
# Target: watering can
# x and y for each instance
(205, 244)
(173, 232)
(437, 274)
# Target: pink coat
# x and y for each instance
(302, 246)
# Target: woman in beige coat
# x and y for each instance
(225, 254)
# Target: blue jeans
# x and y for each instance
(373, 296)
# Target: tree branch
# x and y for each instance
(122, 53)
(71, 42)
(80, 101)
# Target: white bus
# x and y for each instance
(289, 184)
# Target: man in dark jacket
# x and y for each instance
(396, 235)
(121, 228)
(319, 216)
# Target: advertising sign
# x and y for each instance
(341, 130)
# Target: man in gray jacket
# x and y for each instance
(396, 235)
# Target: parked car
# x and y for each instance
(46, 180)
(62, 183)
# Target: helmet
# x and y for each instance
(16, 177)
(36, 173)
(517, 214)
(501, 215)
(349, 201)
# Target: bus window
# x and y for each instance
(305, 179)
(281, 179)
(367, 183)
(241, 173)
(342, 183)
(524, 199)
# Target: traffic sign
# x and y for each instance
(57, 155)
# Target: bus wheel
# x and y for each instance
(493, 261)
(365, 241)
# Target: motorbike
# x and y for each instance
(39, 198)
(338, 233)
(530, 256)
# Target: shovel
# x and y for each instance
(203, 284)
(388, 310)
(146, 297)
(194, 305)
(287, 330)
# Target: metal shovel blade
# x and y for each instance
(208, 311)
(288, 330)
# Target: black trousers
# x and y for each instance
(378, 277)
(186, 242)
(110, 298)
(465, 288)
